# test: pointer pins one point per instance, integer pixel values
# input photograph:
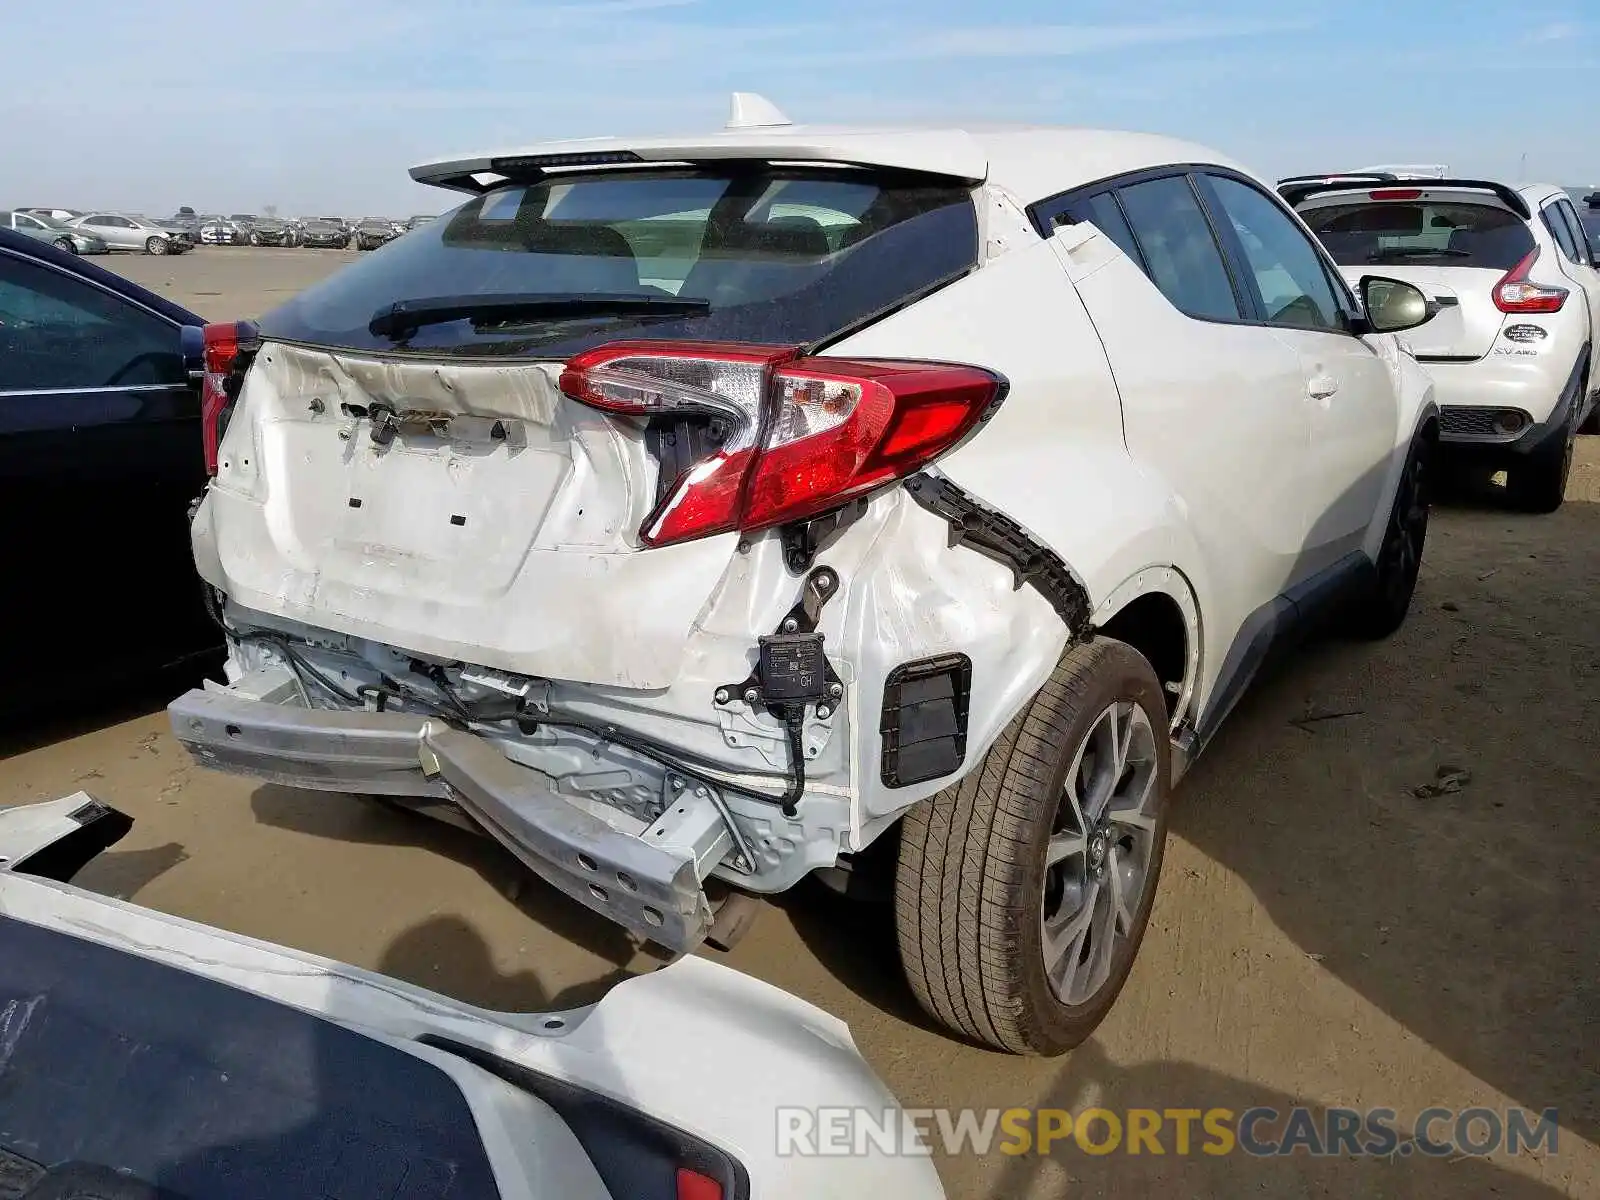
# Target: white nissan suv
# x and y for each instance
(1513, 351)
(705, 511)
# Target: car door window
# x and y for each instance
(1553, 221)
(1290, 280)
(1580, 237)
(57, 332)
(23, 221)
(1179, 251)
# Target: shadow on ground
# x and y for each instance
(124, 873)
(448, 947)
(1437, 848)
(1088, 1081)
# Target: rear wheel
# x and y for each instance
(155, 245)
(1538, 483)
(1023, 892)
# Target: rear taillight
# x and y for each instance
(1514, 294)
(1395, 194)
(694, 1186)
(793, 437)
(222, 342)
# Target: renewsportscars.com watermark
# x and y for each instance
(1261, 1132)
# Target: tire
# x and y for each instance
(66, 244)
(1592, 424)
(1381, 609)
(973, 890)
(156, 245)
(255, 239)
(1538, 483)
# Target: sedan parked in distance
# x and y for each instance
(219, 231)
(372, 232)
(99, 437)
(57, 233)
(123, 232)
(1514, 349)
(418, 221)
(326, 232)
(272, 231)
(59, 214)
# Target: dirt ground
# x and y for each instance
(1324, 934)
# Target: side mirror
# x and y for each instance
(1392, 306)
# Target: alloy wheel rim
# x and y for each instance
(1098, 858)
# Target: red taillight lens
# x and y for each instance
(1395, 194)
(843, 428)
(1514, 294)
(694, 1186)
(798, 436)
(221, 348)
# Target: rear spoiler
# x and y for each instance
(1298, 191)
(1338, 177)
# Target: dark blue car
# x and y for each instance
(100, 456)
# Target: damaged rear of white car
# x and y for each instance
(683, 511)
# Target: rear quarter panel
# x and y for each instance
(1053, 457)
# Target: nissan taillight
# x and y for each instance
(791, 437)
(1514, 294)
(223, 342)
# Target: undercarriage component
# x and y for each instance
(999, 537)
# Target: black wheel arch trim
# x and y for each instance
(995, 535)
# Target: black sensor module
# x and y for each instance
(793, 668)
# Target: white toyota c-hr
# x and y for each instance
(1513, 351)
(709, 510)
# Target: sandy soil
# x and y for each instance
(1324, 934)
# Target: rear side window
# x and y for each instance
(757, 253)
(1435, 234)
(1557, 225)
(1105, 214)
(1180, 251)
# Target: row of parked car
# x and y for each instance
(907, 508)
(102, 232)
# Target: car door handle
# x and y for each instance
(1320, 387)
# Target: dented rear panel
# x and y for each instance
(494, 523)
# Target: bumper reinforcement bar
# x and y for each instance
(646, 881)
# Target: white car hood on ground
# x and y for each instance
(697, 1045)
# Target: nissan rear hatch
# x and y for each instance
(1459, 245)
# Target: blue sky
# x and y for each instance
(321, 105)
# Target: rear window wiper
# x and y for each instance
(404, 317)
(1417, 252)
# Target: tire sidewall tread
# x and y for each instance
(968, 888)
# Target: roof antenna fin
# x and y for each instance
(751, 110)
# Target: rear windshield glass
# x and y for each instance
(1434, 235)
(756, 253)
